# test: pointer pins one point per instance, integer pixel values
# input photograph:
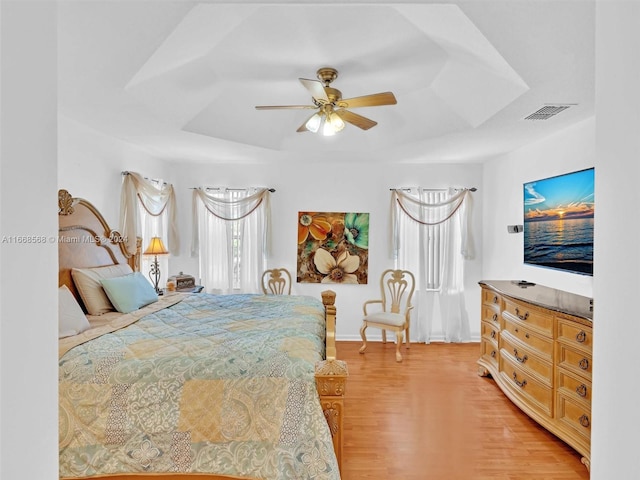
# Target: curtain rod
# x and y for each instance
(472, 189)
(146, 178)
(229, 189)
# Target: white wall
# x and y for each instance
(616, 417)
(567, 151)
(91, 163)
(28, 274)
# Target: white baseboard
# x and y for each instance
(390, 338)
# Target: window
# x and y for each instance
(153, 226)
(422, 239)
(430, 239)
(231, 232)
(148, 209)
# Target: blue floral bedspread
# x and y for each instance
(220, 384)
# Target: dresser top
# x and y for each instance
(545, 297)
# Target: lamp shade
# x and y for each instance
(156, 247)
(313, 124)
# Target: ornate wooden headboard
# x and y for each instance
(85, 240)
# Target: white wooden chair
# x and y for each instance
(396, 289)
(276, 281)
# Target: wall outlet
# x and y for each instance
(515, 228)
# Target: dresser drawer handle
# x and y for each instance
(520, 384)
(522, 317)
(493, 334)
(581, 337)
(495, 299)
(495, 317)
(584, 364)
(493, 354)
(582, 390)
(520, 359)
(584, 421)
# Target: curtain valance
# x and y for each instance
(156, 200)
(429, 214)
(224, 208)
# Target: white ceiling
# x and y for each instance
(181, 79)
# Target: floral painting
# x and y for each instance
(333, 247)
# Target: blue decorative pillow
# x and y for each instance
(130, 292)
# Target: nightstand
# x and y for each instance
(195, 289)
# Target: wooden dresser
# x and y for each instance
(536, 343)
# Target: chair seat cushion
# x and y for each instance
(387, 318)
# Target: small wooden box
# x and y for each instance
(183, 281)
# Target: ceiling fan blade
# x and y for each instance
(374, 100)
(315, 88)
(355, 119)
(283, 107)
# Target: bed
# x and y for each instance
(192, 385)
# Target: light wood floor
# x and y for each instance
(432, 417)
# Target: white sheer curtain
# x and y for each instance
(142, 199)
(430, 237)
(231, 237)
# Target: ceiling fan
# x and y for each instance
(332, 112)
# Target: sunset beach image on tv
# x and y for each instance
(558, 222)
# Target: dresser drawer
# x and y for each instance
(527, 359)
(575, 361)
(541, 344)
(534, 393)
(490, 352)
(490, 332)
(575, 335)
(491, 314)
(573, 385)
(575, 415)
(490, 297)
(530, 316)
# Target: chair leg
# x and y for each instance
(399, 335)
(364, 338)
(384, 336)
(407, 335)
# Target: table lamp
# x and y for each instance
(155, 248)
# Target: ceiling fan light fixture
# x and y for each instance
(336, 122)
(332, 111)
(313, 124)
(327, 129)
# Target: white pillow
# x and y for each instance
(87, 281)
(71, 318)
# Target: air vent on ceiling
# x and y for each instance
(546, 112)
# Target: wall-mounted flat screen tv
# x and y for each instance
(558, 222)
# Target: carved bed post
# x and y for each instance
(329, 300)
(331, 378)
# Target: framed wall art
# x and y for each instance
(333, 247)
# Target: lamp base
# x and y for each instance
(154, 275)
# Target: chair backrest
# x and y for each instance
(396, 287)
(276, 281)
